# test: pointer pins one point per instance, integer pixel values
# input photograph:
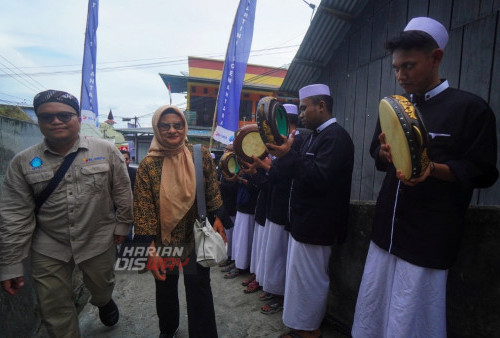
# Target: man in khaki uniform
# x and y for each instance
(77, 223)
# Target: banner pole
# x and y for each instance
(214, 121)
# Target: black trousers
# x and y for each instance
(200, 304)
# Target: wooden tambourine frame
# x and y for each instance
(229, 164)
(247, 142)
(272, 120)
(405, 133)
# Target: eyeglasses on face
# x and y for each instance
(61, 116)
(166, 126)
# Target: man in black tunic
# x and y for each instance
(228, 189)
(419, 222)
(319, 206)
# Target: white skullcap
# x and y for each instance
(291, 109)
(313, 90)
(431, 27)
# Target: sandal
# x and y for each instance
(225, 263)
(248, 280)
(290, 334)
(266, 296)
(228, 268)
(301, 334)
(272, 307)
(232, 274)
(252, 287)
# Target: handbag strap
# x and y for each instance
(54, 182)
(200, 184)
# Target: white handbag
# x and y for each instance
(209, 245)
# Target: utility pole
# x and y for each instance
(128, 119)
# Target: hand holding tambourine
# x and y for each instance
(385, 149)
(249, 168)
(385, 156)
(403, 139)
(265, 164)
(283, 149)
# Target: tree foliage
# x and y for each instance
(14, 112)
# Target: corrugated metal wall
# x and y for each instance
(360, 71)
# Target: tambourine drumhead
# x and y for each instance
(272, 120)
(228, 164)
(281, 119)
(395, 137)
(232, 165)
(405, 133)
(248, 143)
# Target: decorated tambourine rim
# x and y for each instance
(248, 143)
(405, 132)
(229, 164)
(272, 120)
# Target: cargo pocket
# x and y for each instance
(38, 181)
(93, 178)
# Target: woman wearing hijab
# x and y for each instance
(165, 210)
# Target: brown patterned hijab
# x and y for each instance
(178, 179)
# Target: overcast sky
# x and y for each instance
(136, 40)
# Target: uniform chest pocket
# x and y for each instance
(94, 178)
(441, 146)
(39, 181)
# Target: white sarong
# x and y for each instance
(307, 283)
(259, 274)
(257, 236)
(399, 299)
(275, 259)
(242, 239)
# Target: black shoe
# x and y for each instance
(109, 313)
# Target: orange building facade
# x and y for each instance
(202, 84)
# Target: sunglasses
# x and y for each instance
(166, 126)
(62, 116)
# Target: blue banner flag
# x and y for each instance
(233, 74)
(88, 100)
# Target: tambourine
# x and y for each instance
(405, 132)
(228, 164)
(272, 120)
(247, 143)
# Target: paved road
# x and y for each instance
(237, 314)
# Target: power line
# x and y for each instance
(180, 59)
(10, 102)
(25, 84)
(312, 6)
(35, 81)
(17, 97)
(139, 65)
(168, 61)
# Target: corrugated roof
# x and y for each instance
(328, 28)
(178, 83)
